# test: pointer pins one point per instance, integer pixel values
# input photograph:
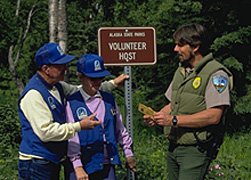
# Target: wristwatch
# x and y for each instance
(174, 121)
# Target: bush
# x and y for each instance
(8, 164)
(10, 127)
(233, 161)
(150, 152)
(10, 131)
(151, 157)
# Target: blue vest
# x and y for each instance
(91, 141)
(31, 144)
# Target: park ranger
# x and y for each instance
(199, 96)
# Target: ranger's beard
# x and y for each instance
(187, 62)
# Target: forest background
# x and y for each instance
(22, 32)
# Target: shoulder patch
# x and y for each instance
(220, 82)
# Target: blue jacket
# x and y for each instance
(91, 141)
(31, 144)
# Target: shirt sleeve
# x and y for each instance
(69, 89)
(217, 91)
(123, 136)
(168, 92)
(107, 86)
(40, 118)
(73, 143)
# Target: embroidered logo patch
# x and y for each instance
(61, 52)
(51, 102)
(81, 113)
(220, 83)
(196, 82)
(113, 111)
(97, 66)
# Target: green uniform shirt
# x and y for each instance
(193, 93)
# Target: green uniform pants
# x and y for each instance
(187, 163)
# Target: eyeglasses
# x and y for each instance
(96, 79)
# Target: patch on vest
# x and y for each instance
(220, 83)
(51, 102)
(196, 82)
(81, 113)
(113, 111)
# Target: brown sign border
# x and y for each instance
(129, 28)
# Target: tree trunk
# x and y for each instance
(12, 69)
(62, 30)
(53, 20)
(62, 25)
(58, 23)
(13, 57)
(12, 64)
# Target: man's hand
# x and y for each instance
(148, 119)
(81, 174)
(131, 163)
(119, 81)
(89, 122)
(162, 119)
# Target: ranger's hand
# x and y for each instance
(148, 119)
(131, 163)
(89, 122)
(162, 119)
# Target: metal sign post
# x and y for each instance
(128, 110)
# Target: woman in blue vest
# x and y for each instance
(94, 153)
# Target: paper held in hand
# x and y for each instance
(146, 110)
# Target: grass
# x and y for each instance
(233, 161)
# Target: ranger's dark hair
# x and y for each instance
(194, 35)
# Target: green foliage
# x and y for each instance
(8, 164)
(151, 157)
(13, 34)
(233, 161)
(150, 153)
(243, 104)
(9, 141)
(35, 38)
(7, 28)
(228, 26)
(233, 63)
(10, 127)
(231, 44)
(8, 91)
(242, 36)
(233, 49)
